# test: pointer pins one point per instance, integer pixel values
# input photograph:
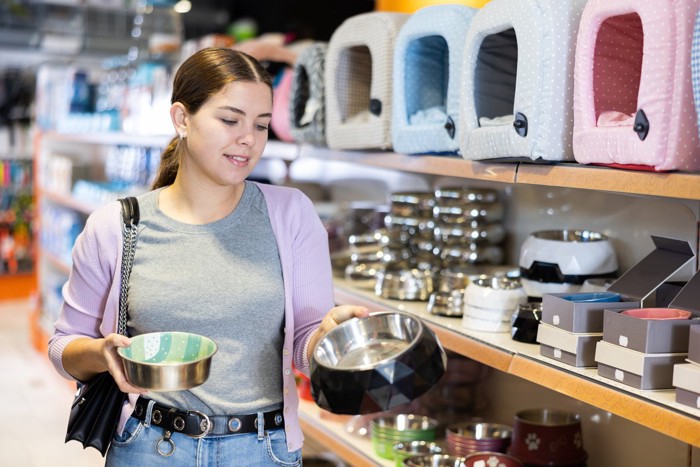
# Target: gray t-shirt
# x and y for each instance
(222, 280)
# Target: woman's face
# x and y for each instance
(227, 136)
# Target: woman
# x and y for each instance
(246, 264)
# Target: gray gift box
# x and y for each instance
(687, 376)
(689, 398)
(636, 369)
(654, 336)
(579, 317)
(575, 349)
(634, 287)
(694, 344)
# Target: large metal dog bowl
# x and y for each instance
(375, 363)
(167, 361)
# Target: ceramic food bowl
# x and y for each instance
(559, 261)
(167, 361)
(375, 363)
(658, 313)
(602, 297)
(547, 437)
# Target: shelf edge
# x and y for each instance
(661, 419)
(332, 437)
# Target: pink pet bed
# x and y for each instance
(633, 98)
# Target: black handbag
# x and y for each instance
(98, 404)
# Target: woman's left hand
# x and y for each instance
(333, 318)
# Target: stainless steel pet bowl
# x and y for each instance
(167, 361)
(375, 363)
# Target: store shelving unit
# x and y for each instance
(656, 410)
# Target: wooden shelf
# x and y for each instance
(656, 410)
(670, 185)
(451, 166)
(627, 404)
(566, 175)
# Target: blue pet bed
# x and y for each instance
(427, 72)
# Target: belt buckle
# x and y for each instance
(205, 424)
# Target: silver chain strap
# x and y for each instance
(129, 234)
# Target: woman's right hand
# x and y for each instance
(114, 362)
(85, 357)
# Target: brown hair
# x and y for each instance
(199, 77)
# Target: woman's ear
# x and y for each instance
(178, 115)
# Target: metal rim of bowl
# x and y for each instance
(570, 235)
(338, 329)
(403, 447)
(432, 422)
(560, 417)
(467, 194)
(425, 198)
(457, 428)
(169, 364)
(497, 282)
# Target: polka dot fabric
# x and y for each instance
(633, 70)
(519, 59)
(359, 65)
(427, 71)
(695, 67)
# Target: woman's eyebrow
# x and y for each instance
(241, 112)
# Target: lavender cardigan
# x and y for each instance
(91, 295)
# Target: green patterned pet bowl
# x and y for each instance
(167, 361)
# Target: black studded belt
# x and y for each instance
(197, 424)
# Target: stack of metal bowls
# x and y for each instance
(448, 298)
(366, 258)
(410, 224)
(409, 258)
(388, 430)
(466, 438)
(467, 237)
(468, 226)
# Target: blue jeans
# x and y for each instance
(140, 443)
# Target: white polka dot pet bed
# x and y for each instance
(633, 97)
(517, 84)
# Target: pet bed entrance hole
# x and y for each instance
(301, 98)
(353, 83)
(495, 78)
(617, 69)
(426, 74)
